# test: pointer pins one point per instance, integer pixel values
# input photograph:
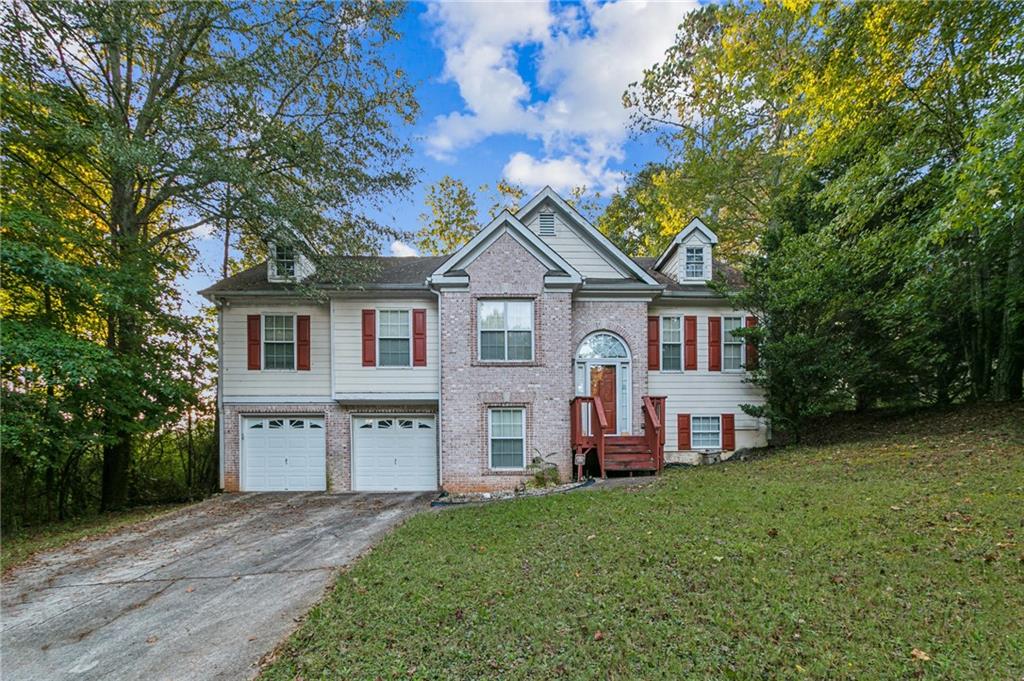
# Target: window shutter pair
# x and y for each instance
(728, 432)
(419, 338)
(654, 343)
(302, 342)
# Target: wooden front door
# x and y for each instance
(602, 384)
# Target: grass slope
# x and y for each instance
(890, 552)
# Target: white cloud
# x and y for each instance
(562, 173)
(402, 249)
(585, 55)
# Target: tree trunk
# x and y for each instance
(116, 459)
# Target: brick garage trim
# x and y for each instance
(338, 435)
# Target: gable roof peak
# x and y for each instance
(694, 225)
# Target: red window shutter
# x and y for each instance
(302, 344)
(419, 338)
(714, 343)
(690, 342)
(751, 347)
(728, 432)
(653, 343)
(683, 426)
(369, 338)
(253, 326)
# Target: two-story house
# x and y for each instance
(537, 338)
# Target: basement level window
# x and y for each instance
(547, 224)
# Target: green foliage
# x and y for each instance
(451, 220)
(828, 561)
(862, 163)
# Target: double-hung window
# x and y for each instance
(671, 343)
(507, 437)
(732, 346)
(694, 262)
(706, 432)
(505, 330)
(394, 338)
(284, 260)
(279, 341)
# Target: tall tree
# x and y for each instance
(291, 106)
(451, 217)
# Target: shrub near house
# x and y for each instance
(456, 371)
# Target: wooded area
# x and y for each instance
(127, 127)
(861, 163)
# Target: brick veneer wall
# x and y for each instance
(468, 387)
(629, 321)
(337, 424)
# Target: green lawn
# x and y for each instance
(17, 547)
(894, 553)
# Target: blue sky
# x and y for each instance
(526, 91)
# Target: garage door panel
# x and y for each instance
(284, 454)
(394, 453)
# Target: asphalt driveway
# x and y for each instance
(204, 592)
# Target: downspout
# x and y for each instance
(220, 392)
(440, 392)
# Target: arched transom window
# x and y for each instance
(602, 346)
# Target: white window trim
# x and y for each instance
(377, 340)
(295, 341)
(693, 438)
(491, 438)
(661, 344)
(480, 331)
(276, 274)
(703, 261)
(743, 346)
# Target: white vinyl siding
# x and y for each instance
(279, 342)
(351, 377)
(507, 430)
(671, 343)
(702, 392)
(732, 347)
(394, 338)
(505, 330)
(706, 432)
(239, 381)
(576, 251)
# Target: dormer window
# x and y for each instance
(284, 261)
(547, 224)
(694, 262)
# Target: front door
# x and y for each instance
(602, 384)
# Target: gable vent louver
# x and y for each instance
(547, 224)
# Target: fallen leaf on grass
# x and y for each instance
(895, 508)
(919, 654)
(598, 635)
(592, 536)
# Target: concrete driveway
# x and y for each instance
(202, 593)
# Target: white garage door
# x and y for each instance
(394, 453)
(284, 454)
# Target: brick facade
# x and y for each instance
(626, 319)
(468, 387)
(337, 425)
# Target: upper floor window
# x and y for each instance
(694, 262)
(279, 341)
(505, 330)
(394, 338)
(732, 346)
(671, 344)
(284, 260)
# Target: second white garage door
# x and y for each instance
(394, 453)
